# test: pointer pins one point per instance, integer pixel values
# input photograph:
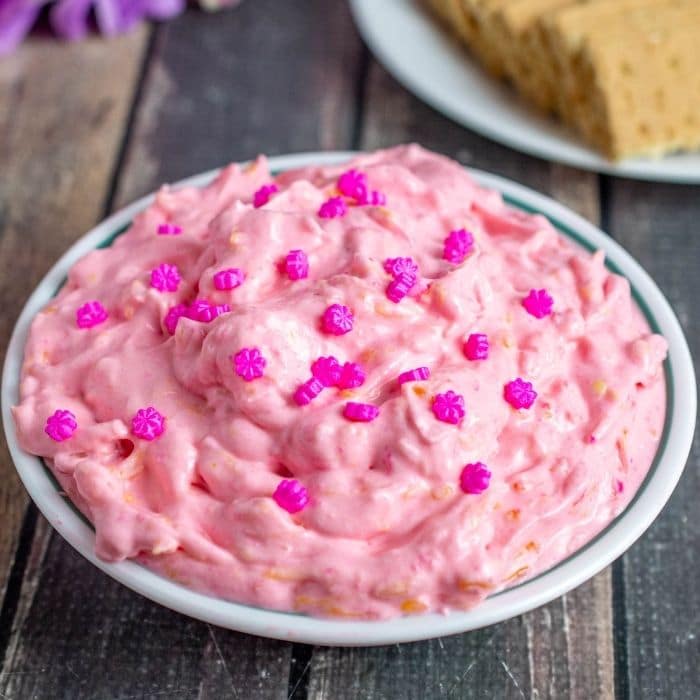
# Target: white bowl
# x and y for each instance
(580, 566)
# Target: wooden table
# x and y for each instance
(86, 128)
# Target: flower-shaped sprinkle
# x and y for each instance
(296, 265)
(332, 208)
(353, 184)
(249, 363)
(352, 376)
(475, 478)
(308, 391)
(61, 425)
(476, 347)
(449, 407)
(90, 314)
(420, 374)
(327, 370)
(360, 412)
(538, 303)
(147, 424)
(401, 266)
(228, 279)
(175, 313)
(399, 287)
(262, 195)
(337, 319)
(205, 312)
(519, 393)
(291, 495)
(165, 278)
(169, 230)
(458, 245)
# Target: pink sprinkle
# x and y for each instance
(360, 412)
(291, 495)
(327, 370)
(538, 303)
(476, 347)
(399, 287)
(169, 230)
(376, 199)
(619, 486)
(228, 279)
(449, 407)
(308, 391)
(296, 265)
(165, 278)
(475, 478)
(90, 314)
(420, 374)
(147, 424)
(458, 245)
(401, 266)
(337, 319)
(352, 376)
(519, 394)
(205, 312)
(353, 183)
(61, 425)
(249, 363)
(175, 313)
(332, 208)
(262, 196)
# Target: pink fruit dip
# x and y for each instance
(174, 387)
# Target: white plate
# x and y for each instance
(613, 541)
(415, 48)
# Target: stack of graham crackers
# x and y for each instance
(624, 73)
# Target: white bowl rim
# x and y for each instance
(577, 568)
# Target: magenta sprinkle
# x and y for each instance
(376, 199)
(449, 407)
(352, 376)
(308, 391)
(401, 266)
(90, 314)
(61, 425)
(475, 478)
(327, 370)
(205, 312)
(296, 265)
(476, 347)
(147, 424)
(291, 495)
(353, 184)
(263, 194)
(360, 412)
(337, 319)
(332, 208)
(458, 245)
(169, 230)
(538, 303)
(619, 486)
(399, 287)
(519, 393)
(228, 279)
(175, 313)
(165, 278)
(420, 374)
(249, 363)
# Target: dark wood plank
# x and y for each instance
(658, 596)
(219, 87)
(61, 125)
(564, 649)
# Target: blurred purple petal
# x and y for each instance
(69, 18)
(163, 9)
(16, 19)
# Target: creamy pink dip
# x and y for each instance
(387, 529)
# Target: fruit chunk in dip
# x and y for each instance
(363, 390)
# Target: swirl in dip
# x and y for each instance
(182, 415)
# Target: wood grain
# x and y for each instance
(61, 123)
